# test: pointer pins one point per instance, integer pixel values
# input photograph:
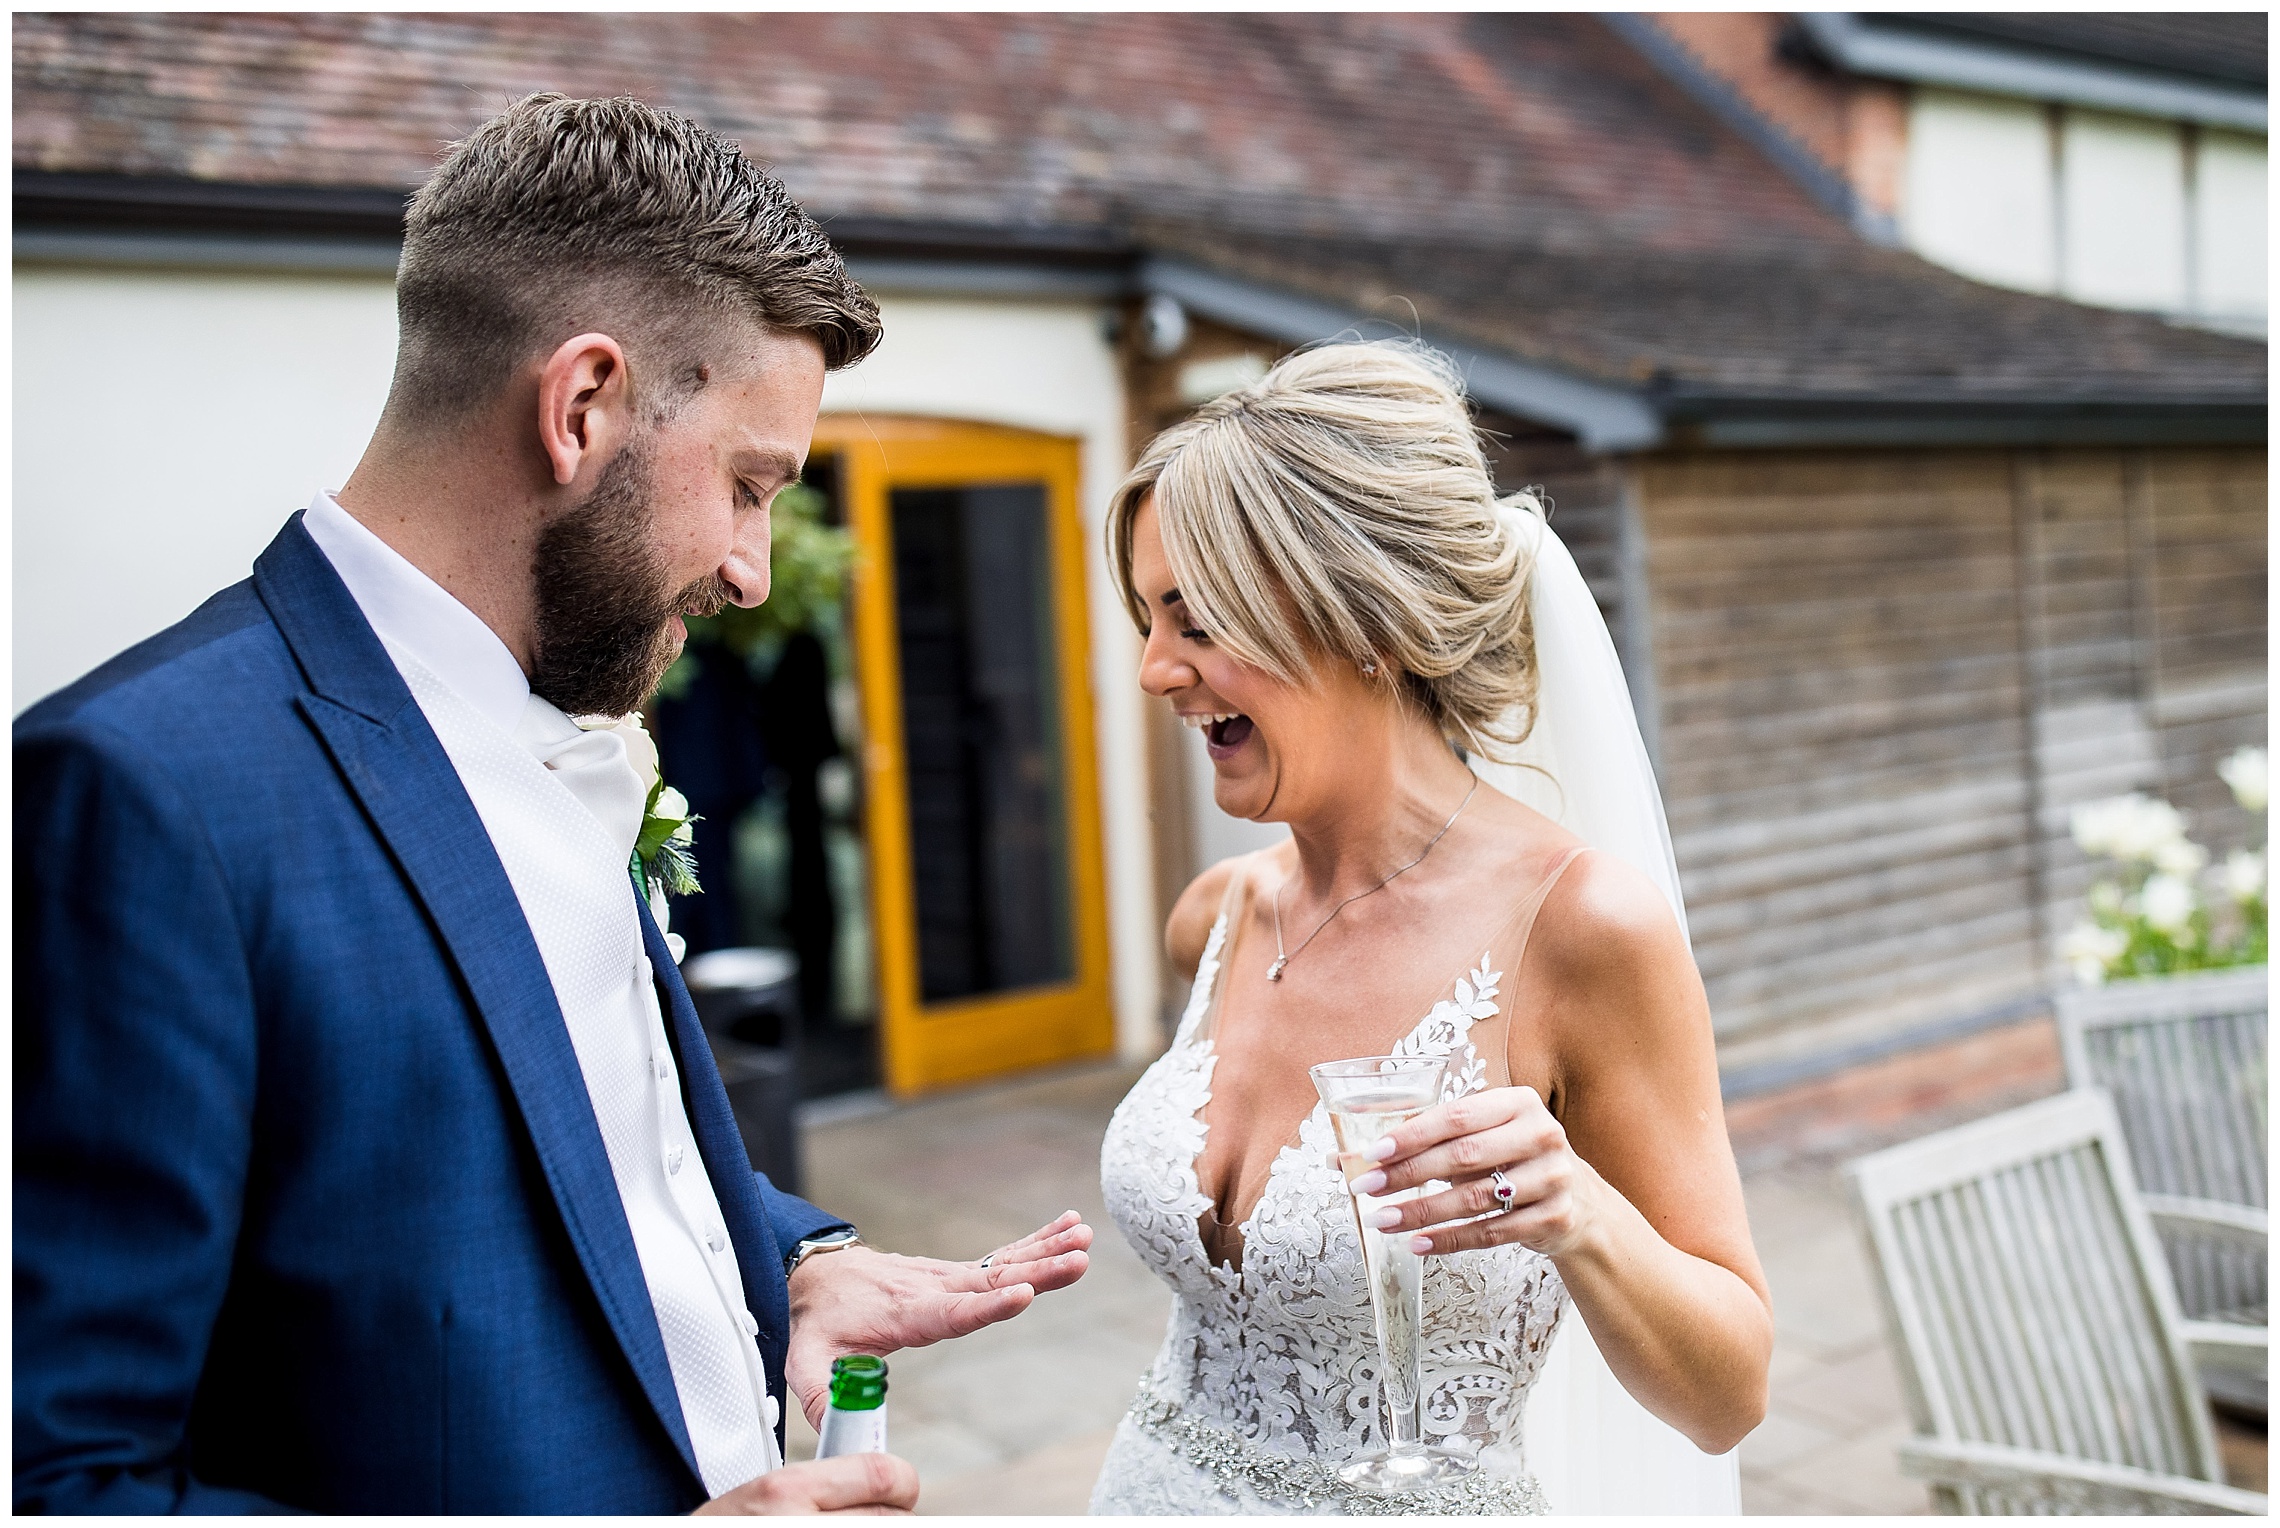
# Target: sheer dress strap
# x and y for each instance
(1508, 952)
(1234, 909)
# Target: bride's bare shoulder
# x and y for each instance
(1188, 929)
(1606, 934)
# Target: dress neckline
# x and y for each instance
(1296, 1140)
(1203, 1003)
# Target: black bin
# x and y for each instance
(748, 1000)
(747, 993)
(764, 1091)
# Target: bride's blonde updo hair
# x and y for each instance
(1341, 507)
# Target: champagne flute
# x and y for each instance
(1367, 1097)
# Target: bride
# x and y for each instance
(1413, 676)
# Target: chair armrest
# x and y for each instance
(2227, 1336)
(2242, 1224)
(2225, 1347)
(2085, 1484)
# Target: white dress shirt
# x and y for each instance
(562, 807)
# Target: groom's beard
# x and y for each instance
(604, 633)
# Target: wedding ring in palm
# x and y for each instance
(1366, 1098)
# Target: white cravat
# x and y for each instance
(563, 807)
(592, 766)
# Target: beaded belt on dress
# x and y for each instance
(1311, 1486)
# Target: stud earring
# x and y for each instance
(1369, 670)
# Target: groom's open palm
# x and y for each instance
(865, 1301)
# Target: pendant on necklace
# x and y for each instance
(1274, 972)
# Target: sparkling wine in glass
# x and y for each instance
(1367, 1097)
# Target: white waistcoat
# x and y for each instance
(571, 878)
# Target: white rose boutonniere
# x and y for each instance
(662, 861)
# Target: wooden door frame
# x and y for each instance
(926, 1046)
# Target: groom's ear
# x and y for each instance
(584, 405)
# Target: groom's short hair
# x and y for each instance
(560, 216)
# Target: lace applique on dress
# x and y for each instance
(1267, 1379)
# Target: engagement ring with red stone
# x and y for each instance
(1501, 1187)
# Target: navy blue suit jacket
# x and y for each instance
(311, 1209)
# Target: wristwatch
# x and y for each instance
(829, 1241)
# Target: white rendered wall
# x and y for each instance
(1978, 196)
(1046, 366)
(2121, 200)
(2118, 211)
(2229, 227)
(166, 424)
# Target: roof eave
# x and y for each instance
(1868, 44)
(1601, 417)
(149, 204)
(170, 223)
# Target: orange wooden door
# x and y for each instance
(982, 810)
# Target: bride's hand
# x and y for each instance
(1467, 1143)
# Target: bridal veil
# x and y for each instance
(1592, 1447)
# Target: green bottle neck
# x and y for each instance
(858, 1382)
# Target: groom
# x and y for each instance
(368, 1154)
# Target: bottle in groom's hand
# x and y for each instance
(855, 1422)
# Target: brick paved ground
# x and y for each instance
(1015, 1420)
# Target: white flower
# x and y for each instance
(2244, 875)
(640, 748)
(2180, 857)
(2088, 949)
(2245, 770)
(2168, 903)
(2093, 827)
(2134, 827)
(673, 807)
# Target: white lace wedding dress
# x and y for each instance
(1267, 1380)
(1268, 1377)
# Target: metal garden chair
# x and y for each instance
(2185, 1061)
(2039, 1337)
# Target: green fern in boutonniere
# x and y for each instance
(668, 832)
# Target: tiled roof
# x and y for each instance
(1864, 325)
(1543, 129)
(1529, 179)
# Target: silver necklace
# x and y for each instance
(1275, 971)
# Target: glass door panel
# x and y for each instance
(981, 738)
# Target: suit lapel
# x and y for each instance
(758, 1258)
(381, 742)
